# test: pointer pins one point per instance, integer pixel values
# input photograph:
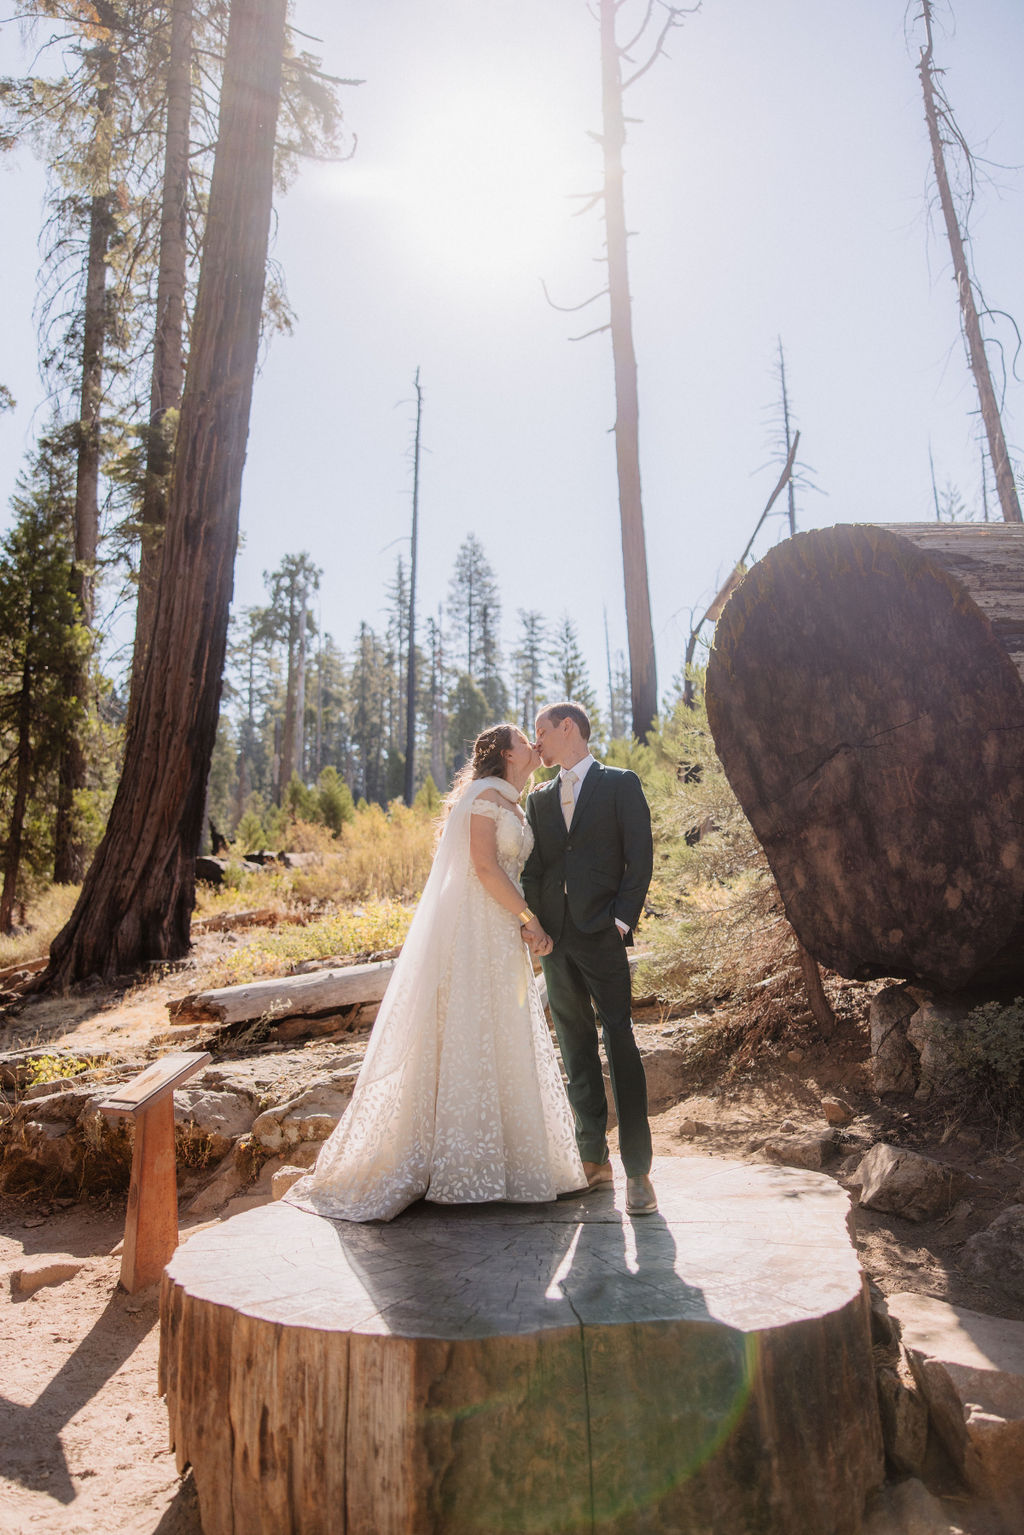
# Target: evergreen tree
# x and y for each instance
(474, 609)
(528, 659)
(569, 676)
(469, 714)
(41, 640)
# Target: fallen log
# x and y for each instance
(302, 996)
(293, 996)
(866, 699)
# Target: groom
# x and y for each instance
(586, 880)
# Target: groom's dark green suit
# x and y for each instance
(578, 881)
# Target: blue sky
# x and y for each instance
(778, 184)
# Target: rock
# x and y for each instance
(809, 1151)
(928, 1032)
(904, 1414)
(906, 1183)
(690, 1128)
(970, 1370)
(996, 1255)
(284, 1178)
(44, 1269)
(796, 1056)
(228, 1180)
(836, 1111)
(217, 1118)
(907, 1508)
(894, 1061)
(309, 1117)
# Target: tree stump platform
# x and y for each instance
(545, 1368)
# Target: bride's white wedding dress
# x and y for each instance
(460, 1096)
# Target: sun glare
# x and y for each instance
(478, 185)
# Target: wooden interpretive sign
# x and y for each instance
(151, 1225)
(557, 1368)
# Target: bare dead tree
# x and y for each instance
(944, 133)
(659, 18)
(410, 685)
(136, 902)
(732, 580)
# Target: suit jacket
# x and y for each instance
(603, 862)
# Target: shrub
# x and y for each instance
(335, 799)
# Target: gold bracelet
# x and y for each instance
(525, 916)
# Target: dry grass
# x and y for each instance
(44, 918)
(354, 933)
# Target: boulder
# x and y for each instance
(836, 1110)
(309, 1117)
(213, 1117)
(906, 1508)
(894, 1061)
(928, 1032)
(906, 1183)
(284, 1178)
(970, 1370)
(809, 1151)
(904, 1414)
(44, 1269)
(996, 1255)
(228, 1180)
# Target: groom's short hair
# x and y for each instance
(567, 711)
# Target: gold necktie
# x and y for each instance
(567, 797)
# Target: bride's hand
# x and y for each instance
(537, 939)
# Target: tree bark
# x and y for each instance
(168, 344)
(976, 354)
(69, 853)
(639, 630)
(410, 686)
(137, 900)
(866, 700)
(12, 855)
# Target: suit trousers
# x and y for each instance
(584, 972)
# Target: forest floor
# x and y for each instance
(83, 1432)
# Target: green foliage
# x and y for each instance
(986, 1048)
(249, 834)
(428, 798)
(54, 1068)
(721, 923)
(302, 804)
(42, 643)
(335, 799)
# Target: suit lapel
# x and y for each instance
(586, 791)
(553, 807)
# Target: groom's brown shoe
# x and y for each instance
(598, 1173)
(640, 1196)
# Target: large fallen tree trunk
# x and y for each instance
(293, 996)
(865, 695)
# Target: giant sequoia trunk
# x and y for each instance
(866, 699)
(137, 900)
(168, 339)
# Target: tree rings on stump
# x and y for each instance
(866, 703)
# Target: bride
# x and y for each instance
(460, 1096)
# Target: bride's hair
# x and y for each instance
(487, 759)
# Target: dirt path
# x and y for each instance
(83, 1430)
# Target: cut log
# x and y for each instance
(293, 996)
(552, 1367)
(866, 699)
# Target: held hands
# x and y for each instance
(537, 940)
